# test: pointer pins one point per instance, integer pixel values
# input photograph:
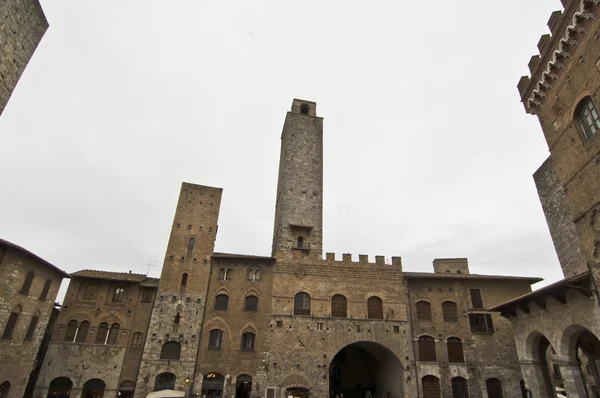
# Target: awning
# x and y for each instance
(166, 394)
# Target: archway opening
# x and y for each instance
(549, 378)
(60, 388)
(212, 385)
(297, 392)
(365, 366)
(126, 389)
(4, 389)
(587, 351)
(93, 388)
(243, 386)
(164, 381)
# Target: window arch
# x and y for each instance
(449, 311)
(32, 325)
(12, 322)
(251, 304)
(45, 289)
(225, 274)
(253, 275)
(170, 350)
(118, 295)
(82, 332)
(587, 117)
(221, 302)
(191, 243)
(164, 381)
(59, 387)
(102, 334)
(113, 334)
(183, 285)
(455, 350)
(302, 304)
(423, 311)
(431, 387)
(460, 388)
(248, 340)
(137, 341)
(71, 330)
(374, 308)
(93, 388)
(427, 349)
(494, 388)
(338, 306)
(27, 283)
(89, 293)
(215, 340)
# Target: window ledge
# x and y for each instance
(307, 249)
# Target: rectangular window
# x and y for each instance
(31, 329)
(319, 326)
(270, 393)
(359, 328)
(10, 325)
(476, 298)
(279, 324)
(147, 295)
(396, 329)
(481, 323)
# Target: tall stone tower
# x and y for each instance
(298, 231)
(171, 347)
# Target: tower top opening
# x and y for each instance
(304, 107)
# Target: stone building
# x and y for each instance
(556, 328)
(22, 25)
(28, 289)
(98, 338)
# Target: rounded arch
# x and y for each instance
(572, 337)
(243, 386)
(164, 381)
(374, 307)
(17, 309)
(60, 387)
(302, 303)
(295, 379)
(93, 388)
(366, 366)
(218, 322)
(112, 317)
(170, 350)
(577, 102)
(4, 388)
(27, 283)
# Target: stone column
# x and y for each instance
(571, 377)
(533, 375)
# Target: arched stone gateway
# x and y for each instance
(212, 385)
(365, 366)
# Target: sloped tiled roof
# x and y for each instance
(248, 256)
(117, 276)
(23, 250)
(531, 279)
(150, 282)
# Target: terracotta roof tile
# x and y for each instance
(117, 276)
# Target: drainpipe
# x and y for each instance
(412, 334)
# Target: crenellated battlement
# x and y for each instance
(363, 259)
(567, 29)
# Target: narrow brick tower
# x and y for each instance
(298, 231)
(171, 347)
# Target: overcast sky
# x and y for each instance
(428, 150)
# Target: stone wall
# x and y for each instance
(22, 25)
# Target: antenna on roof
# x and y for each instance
(149, 265)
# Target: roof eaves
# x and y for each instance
(23, 250)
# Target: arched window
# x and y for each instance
(4, 389)
(253, 275)
(32, 324)
(248, 340)
(338, 306)
(27, 284)
(102, 333)
(221, 302)
(89, 293)
(449, 311)
(164, 381)
(12, 322)
(304, 109)
(93, 388)
(113, 334)
(228, 274)
(300, 242)
(455, 350)
(302, 304)
(374, 308)
(137, 341)
(191, 243)
(82, 332)
(71, 331)
(494, 388)
(222, 274)
(59, 387)
(170, 350)
(460, 388)
(118, 295)
(427, 349)
(183, 285)
(587, 117)
(423, 311)
(45, 289)
(215, 339)
(243, 386)
(251, 304)
(257, 275)
(177, 319)
(431, 387)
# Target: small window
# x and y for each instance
(587, 116)
(431, 387)
(396, 329)
(71, 331)
(32, 325)
(423, 311)
(279, 324)
(481, 323)
(183, 285)
(222, 274)
(476, 298)
(455, 350)
(304, 109)
(27, 284)
(215, 339)
(494, 388)
(46, 289)
(319, 325)
(248, 341)
(12, 322)
(147, 295)
(228, 274)
(177, 319)
(118, 295)
(137, 341)
(170, 350)
(300, 242)
(191, 243)
(359, 328)
(449, 311)
(374, 308)
(251, 304)
(338, 306)
(427, 349)
(82, 332)
(113, 334)
(102, 334)
(460, 388)
(89, 293)
(302, 304)
(254, 275)
(221, 302)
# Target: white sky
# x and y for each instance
(428, 150)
